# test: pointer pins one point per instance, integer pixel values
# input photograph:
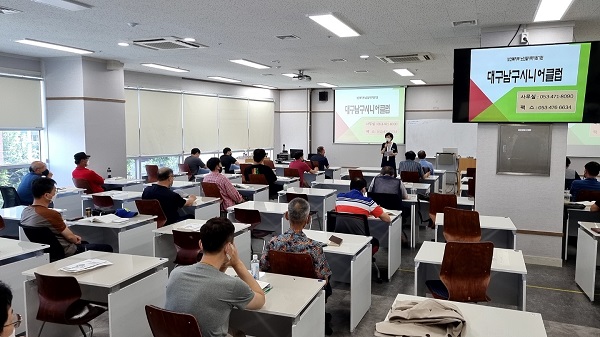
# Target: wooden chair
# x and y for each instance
(82, 183)
(587, 195)
(291, 196)
(461, 225)
(291, 173)
(43, 235)
(292, 264)
(165, 323)
(2, 225)
(269, 163)
(437, 203)
(471, 188)
(61, 303)
(353, 173)
(186, 168)
(410, 177)
(10, 197)
(253, 218)
(187, 246)
(465, 272)
(152, 207)
(258, 179)
(243, 168)
(471, 171)
(103, 203)
(314, 164)
(152, 173)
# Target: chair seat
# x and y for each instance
(259, 233)
(87, 313)
(437, 289)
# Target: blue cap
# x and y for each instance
(124, 213)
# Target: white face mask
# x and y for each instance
(388, 140)
(13, 333)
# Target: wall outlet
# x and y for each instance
(524, 38)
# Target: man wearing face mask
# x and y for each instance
(229, 194)
(170, 202)
(39, 215)
(11, 321)
(389, 150)
(37, 170)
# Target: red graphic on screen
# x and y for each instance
(478, 101)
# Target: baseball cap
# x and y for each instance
(125, 213)
(80, 156)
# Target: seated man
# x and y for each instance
(570, 175)
(195, 164)
(294, 240)
(386, 183)
(170, 202)
(590, 182)
(39, 215)
(205, 291)
(427, 166)
(302, 167)
(229, 194)
(37, 170)
(260, 168)
(410, 165)
(10, 320)
(229, 163)
(82, 172)
(355, 201)
(320, 157)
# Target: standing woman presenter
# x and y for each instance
(389, 150)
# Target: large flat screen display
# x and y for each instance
(364, 116)
(528, 84)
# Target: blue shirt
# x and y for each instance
(586, 184)
(425, 164)
(24, 189)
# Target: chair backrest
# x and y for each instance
(103, 201)
(291, 196)
(1, 223)
(471, 171)
(410, 177)
(165, 323)
(354, 173)
(314, 164)
(187, 246)
(348, 223)
(292, 264)
(587, 195)
(243, 168)
(43, 235)
(10, 196)
(437, 202)
(269, 163)
(249, 216)
(82, 183)
(186, 168)
(290, 172)
(387, 200)
(151, 207)
(258, 179)
(211, 190)
(471, 187)
(465, 270)
(152, 173)
(461, 225)
(57, 296)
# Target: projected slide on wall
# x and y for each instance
(583, 140)
(529, 84)
(364, 116)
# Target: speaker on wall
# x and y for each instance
(323, 96)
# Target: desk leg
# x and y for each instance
(417, 270)
(523, 294)
(435, 232)
(514, 233)
(394, 246)
(360, 286)
(243, 245)
(413, 226)
(311, 319)
(585, 264)
(444, 183)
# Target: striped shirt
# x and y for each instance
(356, 203)
(229, 194)
(410, 166)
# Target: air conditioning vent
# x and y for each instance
(408, 58)
(6, 10)
(338, 60)
(464, 23)
(287, 37)
(169, 43)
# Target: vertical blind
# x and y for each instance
(21, 106)
(233, 123)
(260, 124)
(132, 123)
(200, 123)
(160, 123)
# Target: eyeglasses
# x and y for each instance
(16, 321)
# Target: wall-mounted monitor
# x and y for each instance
(557, 83)
(293, 151)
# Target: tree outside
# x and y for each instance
(17, 148)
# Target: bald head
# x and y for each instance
(39, 168)
(164, 173)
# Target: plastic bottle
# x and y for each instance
(108, 173)
(255, 267)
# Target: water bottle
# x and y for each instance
(108, 173)
(255, 267)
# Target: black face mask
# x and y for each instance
(220, 169)
(45, 173)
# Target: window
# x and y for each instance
(19, 147)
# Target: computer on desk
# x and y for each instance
(293, 151)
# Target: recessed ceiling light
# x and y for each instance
(70, 5)
(361, 71)
(364, 56)
(403, 72)
(6, 10)
(264, 86)
(290, 75)
(54, 46)
(123, 44)
(418, 82)
(224, 79)
(333, 24)
(160, 66)
(551, 10)
(250, 64)
(189, 39)
(328, 85)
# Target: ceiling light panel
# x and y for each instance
(290, 75)
(250, 64)
(163, 67)
(334, 25)
(328, 85)
(403, 72)
(54, 46)
(551, 10)
(70, 5)
(264, 86)
(224, 79)
(418, 82)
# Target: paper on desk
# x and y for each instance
(108, 218)
(85, 265)
(194, 227)
(264, 285)
(242, 186)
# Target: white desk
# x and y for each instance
(462, 202)
(15, 258)
(69, 199)
(434, 181)
(574, 216)
(310, 177)
(295, 307)
(204, 208)
(420, 187)
(163, 241)
(372, 169)
(289, 181)
(587, 257)
(233, 177)
(254, 192)
(492, 322)
(131, 237)
(341, 186)
(321, 200)
(389, 235)
(271, 213)
(498, 229)
(350, 263)
(128, 285)
(136, 185)
(335, 172)
(121, 199)
(12, 219)
(508, 276)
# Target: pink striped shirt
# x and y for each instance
(229, 194)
